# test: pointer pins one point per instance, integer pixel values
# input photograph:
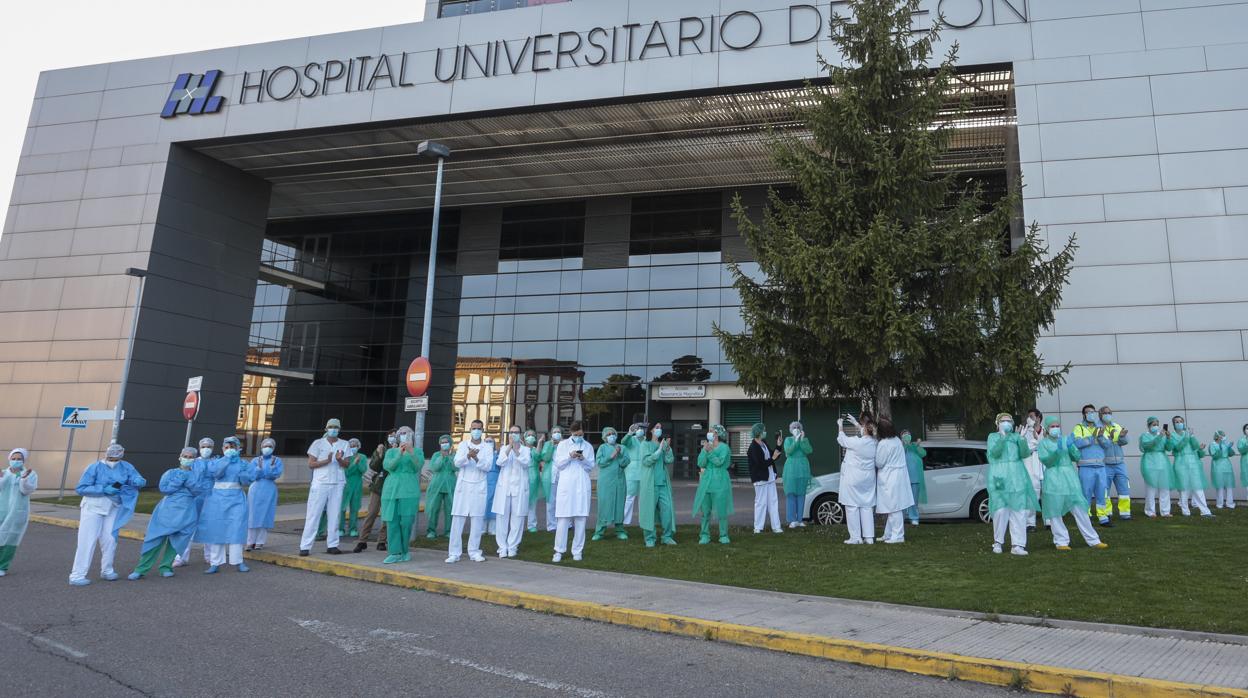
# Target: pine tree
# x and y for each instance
(884, 275)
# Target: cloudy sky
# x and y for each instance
(37, 36)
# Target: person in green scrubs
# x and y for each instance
(540, 467)
(714, 495)
(400, 500)
(439, 496)
(611, 460)
(353, 492)
(654, 490)
(634, 446)
(797, 450)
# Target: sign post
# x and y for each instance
(417, 378)
(190, 405)
(73, 419)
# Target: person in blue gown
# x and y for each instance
(109, 489)
(200, 466)
(262, 495)
(223, 520)
(173, 521)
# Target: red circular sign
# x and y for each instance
(190, 407)
(417, 376)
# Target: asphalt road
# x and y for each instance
(279, 631)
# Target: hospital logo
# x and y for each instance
(192, 94)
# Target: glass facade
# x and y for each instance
(455, 8)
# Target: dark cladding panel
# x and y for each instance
(755, 200)
(478, 240)
(606, 232)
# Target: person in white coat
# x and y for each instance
(328, 458)
(893, 495)
(574, 460)
(511, 495)
(857, 493)
(1033, 432)
(473, 459)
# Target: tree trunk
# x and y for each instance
(884, 400)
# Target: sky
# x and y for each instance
(38, 36)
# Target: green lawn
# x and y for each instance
(149, 497)
(1173, 573)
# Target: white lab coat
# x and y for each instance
(858, 471)
(892, 486)
(575, 485)
(470, 488)
(513, 478)
(1034, 467)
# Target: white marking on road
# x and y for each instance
(44, 641)
(356, 641)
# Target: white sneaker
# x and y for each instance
(778, 530)
(869, 541)
(576, 558)
(893, 542)
(801, 524)
(502, 554)
(179, 562)
(792, 524)
(477, 558)
(996, 548)
(758, 531)
(452, 559)
(557, 557)
(512, 553)
(1016, 550)
(854, 541)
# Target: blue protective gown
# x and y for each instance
(176, 514)
(223, 519)
(262, 495)
(96, 481)
(15, 492)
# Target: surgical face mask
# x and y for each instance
(710, 436)
(267, 451)
(1055, 432)
(476, 434)
(205, 452)
(515, 436)
(905, 438)
(1181, 426)
(530, 440)
(577, 439)
(15, 464)
(1007, 427)
(331, 433)
(445, 445)
(1107, 418)
(1089, 417)
(795, 432)
(230, 452)
(186, 462)
(555, 436)
(1155, 429)
(112, 461)
(658, 432)
(392, 440)
(611, 438)
(403, 438)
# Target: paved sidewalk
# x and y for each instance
(1171, 656)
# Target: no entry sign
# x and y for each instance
(190, 407)
(417, 377)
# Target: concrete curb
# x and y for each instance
(1032, 677)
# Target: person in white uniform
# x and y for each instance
(473, 459)
(857, 493)
(893, 495)
(1033, 432)
(511, 494)
(328, 459)
(109, 489)
(574, 460)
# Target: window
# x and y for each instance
(941, 458)
(456, 8)
(672, 224)
(459, 419)
(543, 231)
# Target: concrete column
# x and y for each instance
(715, 412)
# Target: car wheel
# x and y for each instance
(979, 508)
(828, 511)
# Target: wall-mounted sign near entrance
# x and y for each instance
(680, 392)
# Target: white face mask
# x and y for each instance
(556, 436)
(267, 451)
(230, 452)
(710, 436)
(205, 452)
(795, 432)
(403, 438)
(392, 440)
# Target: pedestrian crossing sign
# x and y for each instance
(74, 417)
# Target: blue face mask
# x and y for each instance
(230, 453)
(186, 462)
(445, 445)
(267, 451)
(476, 434)
(331, 433)
(1155, 429)
(1090, 417)
(555, 436)
(1055, 432)
(515, 437)
(15, 465)
(1181, 426)
(1007, 427)
(1107, 418)
(611, 438)
(658, 433)
(577, 440)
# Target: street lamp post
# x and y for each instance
(141, 275)
(430, 149)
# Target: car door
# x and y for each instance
(953, 475)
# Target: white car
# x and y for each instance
(956, 476)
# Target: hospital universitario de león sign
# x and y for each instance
(595, 46)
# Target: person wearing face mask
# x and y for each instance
(473, 459)
(797, 450)
(173, 521)
(1032, 433)
(1115, 468)
(1242, 447)
(1189, 474)
(539, 477)
(375, 479)
(353, 489)
(714, 493)
(223, 521)
(1009, 486)
(634, 443)
(203, 459)
(262, 495)
(613, 463)
(109, 489)
(400, 501)
(1063, 493)
(572, 489)
(654, 491)
(893, 495)
(1157, 470)
(857, 494)
(491, 486)
(17, 483)
(328, 459)
(550, 478)
(915, 453)
(439, 496)
(1091, 441)
(1221, 470)
(511, 495)
(763, 478)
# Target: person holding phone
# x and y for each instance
(1156, 468)
(654, 491)
(714, 494)
(109, 489)
(857, 493)
(635, 448)
(17, 483)
(573, 489)
(915, 453)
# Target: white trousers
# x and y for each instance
(1154, 499)
(629, 502)
(327, 499)
(1197, 497)
(578, 539)
(257, 536)
(94, 529)
(475, 529)
(766, 505)
(217, 553)
(1008, 519)
(509, 526)
(533, 514)
(861, 522)
(550, 510)
(895, 527)
(1226, 495)
(1061, 535)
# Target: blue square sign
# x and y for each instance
(74, 417)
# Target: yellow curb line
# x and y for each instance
(1034, 677)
